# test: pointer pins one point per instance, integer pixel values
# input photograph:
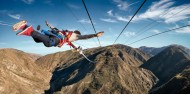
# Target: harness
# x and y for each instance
(65, 40)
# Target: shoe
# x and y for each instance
(38, 27)
(20, 25)
(26, 31)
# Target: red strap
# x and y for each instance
(66, 40)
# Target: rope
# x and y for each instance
(90, 20)
(158, 34)
(140, 33)
(73, 14)
(130, 20)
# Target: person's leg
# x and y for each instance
(38, 37)
(26, 30)
(37, 40)
(47, 41)
(51, 33)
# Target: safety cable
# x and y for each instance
(73, 14)
(130, 20)
(90, 20)
(158, 34)
(160, 23)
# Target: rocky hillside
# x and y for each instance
(19, 73)
(180, 84)
(115, 70)
(152, 50)
(168, 63)
(34, 56)
(131, 56)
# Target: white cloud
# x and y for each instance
(84, 21)
(129, 34)
(11, 14)
(108, 20)
(120, 18)
(183, 30)
(116, 16)
(15, 16)
(28, 1)
(73, 6)
(110, 12)
(2, 23)
(164, 10)
(123, 5)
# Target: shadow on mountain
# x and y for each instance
(115, 71)
(70, 75)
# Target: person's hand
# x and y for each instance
(46, 22)
(99, 34)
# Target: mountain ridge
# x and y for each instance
(19, 73)
(155, 50)
(168, 63)
(115, 70)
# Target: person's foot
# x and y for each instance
(26, 31)
(99, 34)
(20, 25)
(38, 27)
(77, 49)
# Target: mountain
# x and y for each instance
(34, 56)
(187, 50)
(132, 56)
(19, 73)
(168, 63)
(180, 84)
(115, 70)
(152, 50)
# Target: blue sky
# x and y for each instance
(108, 15)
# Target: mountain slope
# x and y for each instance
(115, 70)
(19, 73)
(152, 50)
(168, 63)
(133, 57)
(180, 84)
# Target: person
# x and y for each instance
(53, 37)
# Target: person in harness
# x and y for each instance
(53, 37)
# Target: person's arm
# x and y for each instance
(81, 37)
(53, 29)
(50, 26)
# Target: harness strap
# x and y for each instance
(66, 39)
